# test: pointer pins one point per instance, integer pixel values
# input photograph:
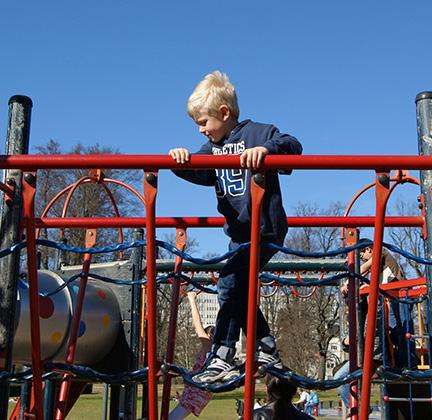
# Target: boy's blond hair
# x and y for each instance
(210, 94)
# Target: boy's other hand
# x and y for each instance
(180, 154)
(253, 158)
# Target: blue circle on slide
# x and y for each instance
(82, 329)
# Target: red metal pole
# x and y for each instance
(65, 384)
(150, 191)
(352, 238)
(257, 196)
(213, 222)
(175, 293)
(383, 163)
(29, 191)
(382, 193)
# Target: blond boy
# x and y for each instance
(213, 106)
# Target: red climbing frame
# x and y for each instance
(382, 165)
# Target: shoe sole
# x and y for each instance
(277, 365)
(231, 375)
(221, 377)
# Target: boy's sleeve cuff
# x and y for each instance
(271, 148)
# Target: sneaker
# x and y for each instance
(273, 359)
(217, 370)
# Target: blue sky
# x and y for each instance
(341, 76)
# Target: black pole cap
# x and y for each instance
(423, 95)
(21, 99)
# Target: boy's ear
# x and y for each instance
(225, 112)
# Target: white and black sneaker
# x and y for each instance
(272, 359)
(217, 370)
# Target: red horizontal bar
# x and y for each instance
(153, 162)
(114, 222)
(396, 288)
(417, 292)
(403, 284)
(196, 222)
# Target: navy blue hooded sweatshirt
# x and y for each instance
(233, 185)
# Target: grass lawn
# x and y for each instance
(221, 407)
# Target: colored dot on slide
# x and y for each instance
(46, 307)
(56, 337)
(101, 294)
(106, 320)
(82, 329)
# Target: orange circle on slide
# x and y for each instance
(106, 320)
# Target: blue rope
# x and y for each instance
(307, 283)
(407, 254)
(86, 372)
(285, 373)
(83, 372)
(406, 374)
(266, 279)
(6, 376)
(14, 248)
(140, 375)
(347, 249)
(333, 253)
(159, 280)
(305, 382)
(213, 260)
(197, 285)
(215, 387)
(201, 261)
(122, 247)
(330, 280)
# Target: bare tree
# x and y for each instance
(295, 339)
(187, 345)
(310, 239)
(325, 322)
(89, 199)
(270, 306)
(48, 184)
(185, 348)
(190, 247)
(311, 323)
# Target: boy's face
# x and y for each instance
(215, 128)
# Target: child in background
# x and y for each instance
(279, 407)
(194, 400)
(303, 399)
